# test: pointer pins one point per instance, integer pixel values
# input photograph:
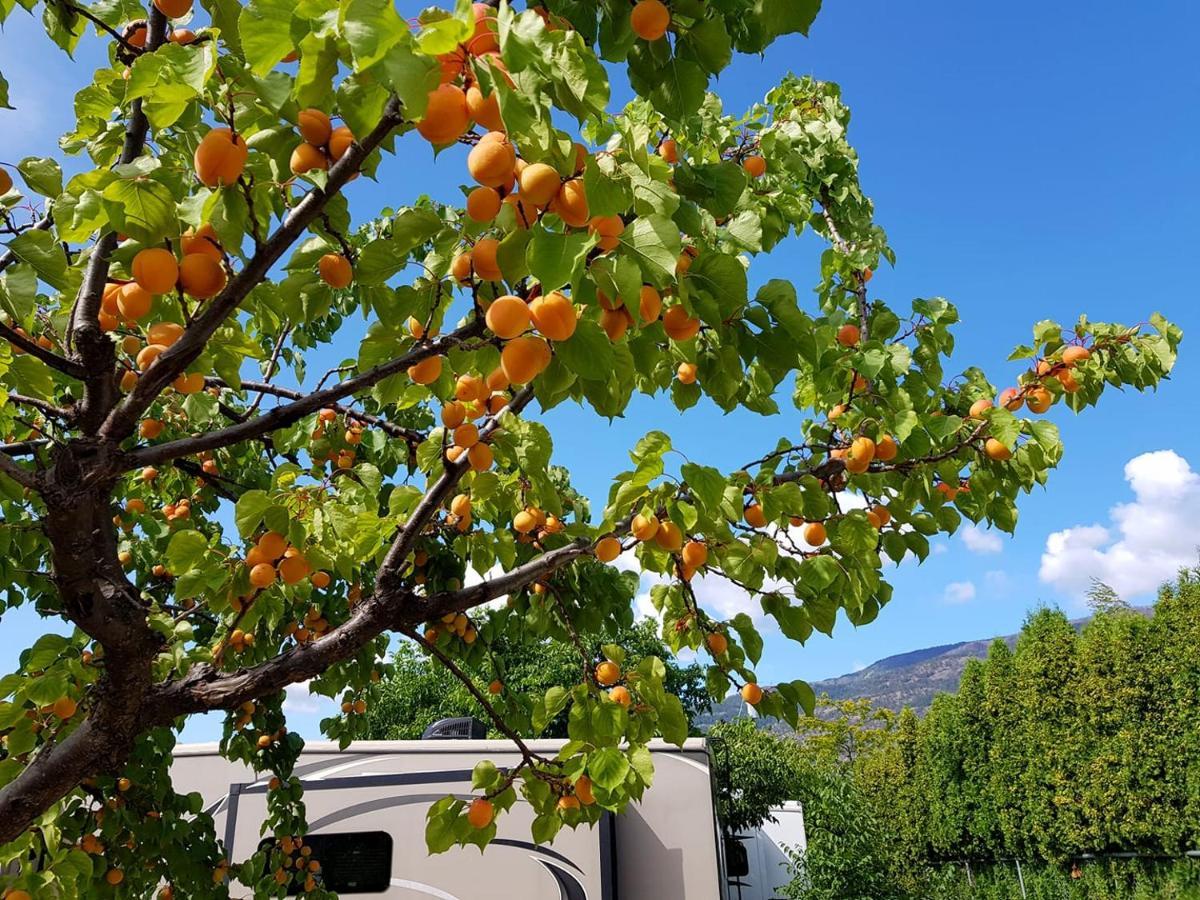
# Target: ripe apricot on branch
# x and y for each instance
(695, 554)
(446, 115)
(1011, 399)
(133, 301)
(669, 150)
(608, 673)
(669, 536)
(717, 643)
(886, 448)
(480, 457)
(484, 110)
(492, 160)
(201, 276)
(340, 141)
(678, 325)
(1039, 399)
(483, 204)
(755, 166)
(483, 259)
(686, 373)
(1075, 354)
(996, 450)
(480, 813)
(335, 270)
(570, 203)
(754, 515)
(173, 9)
(508, 316)
(524, 358)
(307, 158)
(554, 316)
(814, 534)
(220, 158)
(155, 269)
(607, 549)
(752, 693)
(426, 371)
(979, 407)
(6, 182)
(539, 183)
(848, 335)
(315, 126)
(650, 19)
(644, 526)
(202, 240)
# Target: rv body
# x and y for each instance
(366, 810)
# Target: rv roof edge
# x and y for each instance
(441, 746)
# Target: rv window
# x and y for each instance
(352, 862)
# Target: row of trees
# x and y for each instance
(1072, 743)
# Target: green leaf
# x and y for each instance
(43, 253)
(608, 767)
(142, 208)
(41, 175)
(654, 243)
(588, 353)
(554, 258)
(185, 551)
(249, 511)
(169, 79)
(371, 28)
(4, 104)
(265, 27)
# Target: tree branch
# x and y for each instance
(122, 420)
(390, 428)
(33, 348)
(284, 415)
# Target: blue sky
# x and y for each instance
(1029, 161)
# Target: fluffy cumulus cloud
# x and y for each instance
(959, 592)
(1147, 540)
(299, 700)
(981, 540)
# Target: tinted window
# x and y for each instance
(352, 862)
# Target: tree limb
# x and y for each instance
(33, 348)
(122, 420)
(288, 413)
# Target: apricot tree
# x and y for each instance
(213, 504)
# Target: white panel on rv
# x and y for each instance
(665, 848)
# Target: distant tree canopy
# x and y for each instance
(419, 692)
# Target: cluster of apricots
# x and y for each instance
(313, 625)
(533, 522)
(322, 144)
(297, 864)
(356, 707)
(457, 624)
(272, 558)
(474, 398)
(608, 674)
(342, 457)
(666, 535)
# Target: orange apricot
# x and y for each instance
(755, 166)
(492, 160)
(480, 457)
(307, 158)
(202, 240)
(220, 158)
(340, 141)
(155, 269)
(201, 276)
(679, 325)
(539, 183)
(554, 316)
(173, 9)
(484, 110)
(752, 693)
(615, 322)
(446, 115)
(649, 304)
(650, 19)
(426, 371)
(524, 358)
(508, 316)
(996, 450)
(480, 813)
(483, 259)
(669, 150)
(335, 270)
(814, 534)
(848, 335)
(315, 126)
(165, 333)
(133, 301)
(483, 204)
(570, 203)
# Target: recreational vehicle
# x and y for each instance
(366, 810)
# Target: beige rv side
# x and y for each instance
(665, 848)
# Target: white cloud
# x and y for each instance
(996, 580)
(299, 700)
(959, 592)
(981, 540)
(1148, 540)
